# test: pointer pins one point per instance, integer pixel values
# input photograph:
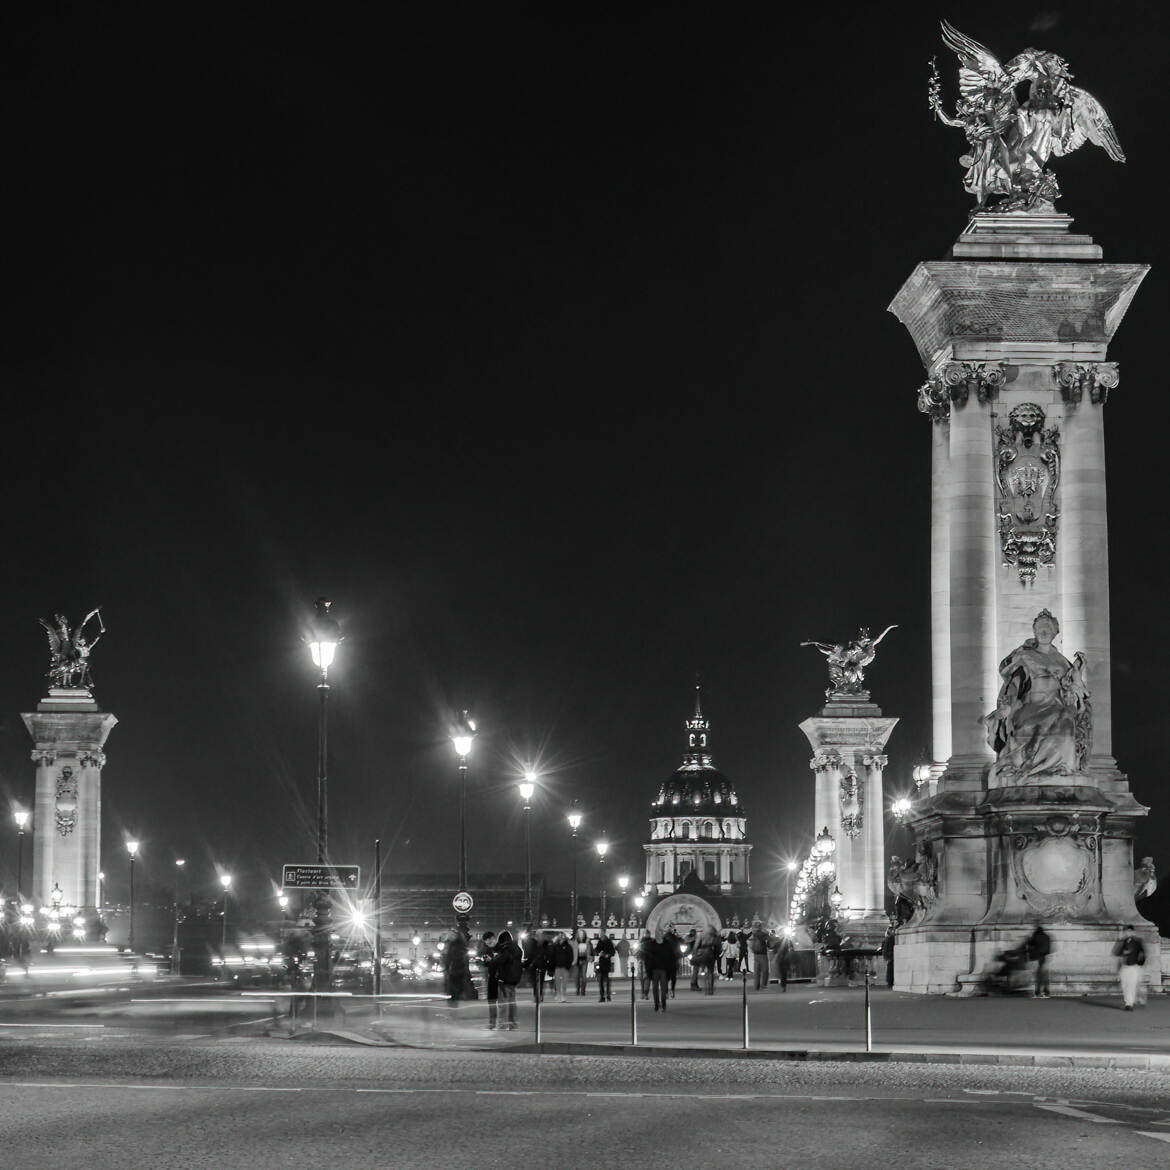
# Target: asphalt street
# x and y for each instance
(261, 1103)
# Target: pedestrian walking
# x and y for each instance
(662, 959)
(784, 959)
(1130, 952)
(1036, 950)
(691, 943)
(704, 959)
(644, 962)
(583, 953)
(536, 961)
(561, 962)
(742, 951)
(676, 945)
(603, 953)
(758, 943)
(730, 954)
(508, 966)
(486, 954)
(456, 968)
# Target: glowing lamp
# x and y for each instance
(21, 818)
(324, 635)
(132, 848)
(836, 898)
(639, 901)
(225, 880)
(791, 867)
(574, 819)
(526, 787)
(602, 848)
(623, 882)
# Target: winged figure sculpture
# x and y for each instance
(1011, 142)
(69, 650)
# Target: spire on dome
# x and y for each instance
(698, 702)
(698, 729)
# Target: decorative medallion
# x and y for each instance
(1027, 474)
(1054, 863)
(852, 804)
(66, 805)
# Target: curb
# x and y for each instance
(1151, 1062)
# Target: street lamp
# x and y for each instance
(180, 863)
(574, 819)
(527, 787)
(132, 849)
(824, 843)
(921, 774)
(602, 848)
(901, 808)
(623, 885)
(20, 815)
(101, 890)
(225, 880)
(462, 738)
(323, 638)
(791, 867)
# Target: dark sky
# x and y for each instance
(553, 347)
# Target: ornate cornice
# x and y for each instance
(1098, 378)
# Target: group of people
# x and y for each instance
(1007, 969)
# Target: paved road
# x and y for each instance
(259, 1104)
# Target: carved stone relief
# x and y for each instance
(825, 760)
(1054, 863)
(953, 382)
(852, 804)
(1074, 378)
(66, 802)
(1027, 474)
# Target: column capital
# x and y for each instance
(1098, 378)
(823, 761)
(952, 382)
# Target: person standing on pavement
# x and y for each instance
(508, 967)
(536, 960)
(705, 958)
(1131, 954)
(584, 952)
(603, 952)
(561, 962)
(784, 959)
(692, 943)
(486, 955)
(644, 945)
(888, 954)
(676, 947)
(759, 948)
(1037, 949)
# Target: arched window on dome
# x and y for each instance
(702, 739)
(686, 832)
(691, 738)
(708, 830)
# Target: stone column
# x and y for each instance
(69, 732)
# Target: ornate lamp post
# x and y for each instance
(132, 849)
(602, 848)
(323, 639)
(527, 787)
(20, 815)
(574, 819)
(462, 738)
(225, 880)
(101, 890)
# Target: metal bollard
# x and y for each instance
(538, 1003)
(745, 1012)
(633, 1008)
(868, 1016)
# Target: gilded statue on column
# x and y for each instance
(847, 661)
(1042, 725)
(69, 650)
(1011, 142)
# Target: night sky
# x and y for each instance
(554, 349)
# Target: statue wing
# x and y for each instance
(54, 637)
(1090, 121)
(979, 69)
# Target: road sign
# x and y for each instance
(321, 877)
(462, 902)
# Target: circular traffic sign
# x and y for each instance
(462, 902)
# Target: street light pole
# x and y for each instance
(623, 885)
(527, 787)
(225, 880)
(21, 817)
(574, 824)
(790, 867)
(378, 916)
(602, 849)
(132, 849)
(175, 956)
(323, 638)
(462, 738)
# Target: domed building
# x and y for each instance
(697, 824)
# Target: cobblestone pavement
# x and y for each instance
(252, 1102)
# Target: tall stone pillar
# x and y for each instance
(69, 733)
(848, 738)
(1012, 331)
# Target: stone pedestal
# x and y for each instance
(848, 739)
(69, 732)
(1013, 333)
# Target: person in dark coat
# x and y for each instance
(784, 953)
(603, 953)
(536, 962)
(486, 957)
(560, 961)
(888, 942)
(508, 967)
(676, 945)
(456, 967)
(1037, 949)
(759, 948)
(692, 941)
(662, 959)
(583, 952)
(644, 951)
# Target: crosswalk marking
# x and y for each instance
(1158, 1137)
(1071, 1111)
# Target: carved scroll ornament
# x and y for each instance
(953, 382)
(1074, 378)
